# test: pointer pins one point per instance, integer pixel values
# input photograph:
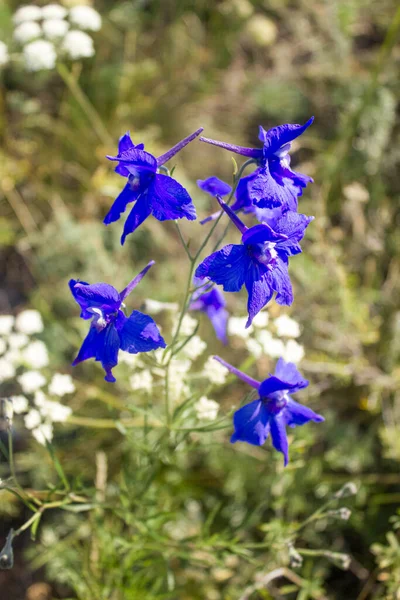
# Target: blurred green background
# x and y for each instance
(162, 69)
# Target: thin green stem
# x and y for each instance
(185, 246)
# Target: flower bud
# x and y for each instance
(349, 489)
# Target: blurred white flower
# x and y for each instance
(55, 28)
(254, 347)
(129, 359)
(43, 433)
(194, 348)
(17, 340)
(237, 326)
(40, 398)
(7, 369)
(154, 306)
(214, 371)
(27, 31)
(287, 327)
(53, 11)
(36, 355)
(27, 13)
(261, 320)
(78, 44)
(7, 409)
(30, 321)
(20, 404)
(6, 324)
(61, 385)
(13, 356)
(39, 55)
(206, 409)
(85, 17)
(4, 56)
(187, 327)
(293, 352)
(32, 419)
(142, 381)
(3, 346)
(178, 370)
(31, 381)
(54, 411)
(270, 345)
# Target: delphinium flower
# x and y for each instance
(210, 300)
(216, 187)
(273, 410)
(273, 184)
(152, 192)
(260, 262)
(110, 330)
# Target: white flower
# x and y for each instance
(39, 55)
(206, 409)
(36, 355)
(20, 404)
(237, 326)
(270, 345)
(194, 347)
(31, 381)
(30, 321)
(178, 370)
(27, 13)
(129, 359)
(287, 327)
(214, 371)
(13, 356)
(54, 411)
(78, 44)
(261, 319)
(43, 433)
(32, 419)
(55, 28)
(7, 409)
(3, 346)
(4, 56)
(85, 17)
(188, 325)
(40, 398)
(27, 31)
(293, 352)
(61, 385)
(254, 347)
(154, 306)
(6, 324)
(17, 340)
(7, 369)
(53, 11)
(142, 381)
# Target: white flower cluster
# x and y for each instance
(278, 340)
(51, 31)
(18, 350)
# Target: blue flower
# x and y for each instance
(211, 301)
(110, 330)
(273, 184)
(273, 410)
(152, 192)
(260, 262)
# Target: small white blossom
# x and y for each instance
(31, 381)
(178, 370)
(85, 17)
(30, 321)
(27, 13)
(214, 371)
(7, 369)
(40, 398)
(254, 347)
(194, 348)
(35, 355)
(261, 319)
(154, 307)
(129, 359)
(27, 31)
(188, 325)
(53, 11)
(32, 419)
(7, 410)
(293, 352)
(40, 55)
(55, 28)
(142, 381)
(6, 324)
(17, 340)
(61, 385)
(4, 56)
(270, 345)
(237, 326)
(54, 411)
(13, 356)
(206, 409)
(78, 44)
(43, 433)
(20, 404)
(3, 346)
(287, 327)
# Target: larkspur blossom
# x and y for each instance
(211, 301)
(152, 192)
(273, 184)
(110, 330)
(260, 262)
(216, 187)
(273, 410)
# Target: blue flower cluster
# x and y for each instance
(259, 262)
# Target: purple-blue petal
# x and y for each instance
(219, 320)
(125, 143)
(226, 267)
(295, 414)
(260, 291)
(139, 213)
(267, 192)
(169, 200)
(135, 159)
(97, 295)
(108, 351)
(280, 282)
(140, 334)
(251, 423)
(85, 314)
(278, 435)
(293, 225)
(273, 384)
(275, 138)
(89, 346)
(214, 186)
(119, 206)
(259, 234)
(243, 201)
(288, 373)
